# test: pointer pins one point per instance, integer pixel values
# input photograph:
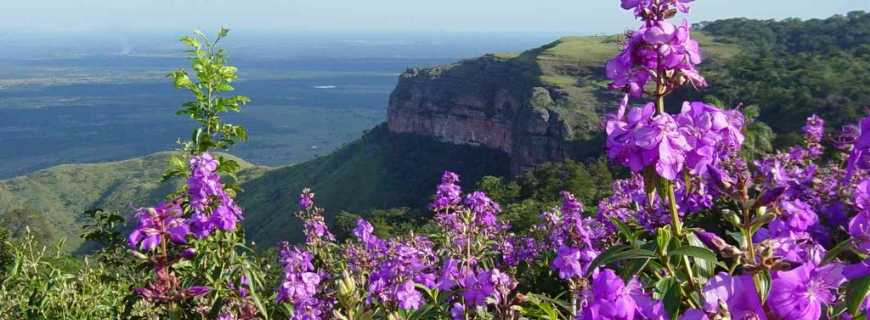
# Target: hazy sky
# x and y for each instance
(575, 16)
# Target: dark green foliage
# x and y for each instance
(104, 228)
(759, 136)
(6, 257)
(794, 68)
(849, 32)
(381, 170)
(524, 197)
(20, 222)
(387, 222)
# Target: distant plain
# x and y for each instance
(94, 100)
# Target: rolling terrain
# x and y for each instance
(398, 164)
(382, 169)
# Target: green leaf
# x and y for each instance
(256, 298)
(693, 251)
(618, 253)
(622, 227)
(222, 33)
(670, 290)
(836, 251)
(705, 268)
(856, 291)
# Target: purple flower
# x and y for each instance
(315, 229)
(637, 141)
(477, 287)
(862, 195)
(663, 145)
(858, 159)
(484, 209)
(213, 208)
(717, 244)
(621, 138)
(457, 311)
(857, 270)
(306, 199)
(301, 282)
(408, 296)
(568, 263)
(448, 193)
(196, 291)
(737, 293)
(610, 298)
(516, 249)
(846, 138)
(694, 314)
(797, 217)
(859, 229)
(398, 268)
(658, 46)
(814, 130)
(570, 205)
(364, 232)
(156, 223)
(800, 293)
(711, 133)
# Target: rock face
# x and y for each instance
(533, 106)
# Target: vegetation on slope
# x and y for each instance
(381, 170)
(793, 68)
(59, 195)
(789, 68)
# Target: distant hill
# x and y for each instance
(380, 170)
(60, 194)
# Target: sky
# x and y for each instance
(288, 16)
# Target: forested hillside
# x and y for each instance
(794, 68)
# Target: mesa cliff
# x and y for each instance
(542, 105)
(539, 106)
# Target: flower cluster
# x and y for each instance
(314, 223)
(300, 285)
(400, 267)
(658, 51)
(575, 239)
(169, 233)
(161, 223)
(699, 137)
(213, 209)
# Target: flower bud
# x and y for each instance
(716, 243)
(188, 253)
(138, 255)
(196, 291)
(722, 180)
(733, 218)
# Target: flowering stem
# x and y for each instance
(676, 224)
